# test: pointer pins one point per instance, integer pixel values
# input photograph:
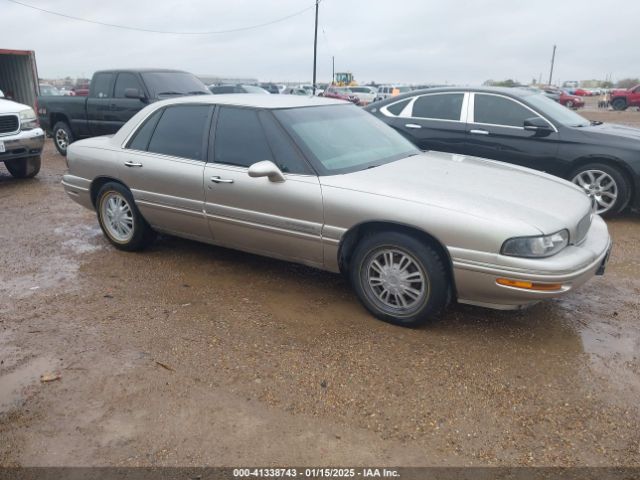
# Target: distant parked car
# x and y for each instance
(80, 91)
(387, 91)
(295, 91)
(270, 87)
(46, 89)
(341, 93)
(364, 93)
(621, 99)
(527, 129)
(582, 92)
(237, 88)
(570, 101)
(323, 183)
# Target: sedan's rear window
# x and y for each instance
(343, 138)
(180, 132)
(445, 106)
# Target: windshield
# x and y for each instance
(360, 89)
(254, 89)
(343, 138)
(173, 83)
(48, 90)
(557, 112)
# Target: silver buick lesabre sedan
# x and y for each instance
(323, 183)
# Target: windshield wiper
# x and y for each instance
(197, 92)
(170, 93)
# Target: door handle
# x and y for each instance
(132, 164)
(413, 125)
(479, 132)
(217, 179)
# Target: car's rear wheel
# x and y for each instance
(62, 137)
(619, 104)
(24, 167)
(120, 219)
(399, 279)
(606, 185)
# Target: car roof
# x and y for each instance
(141, 70)
(256, 100)
(513, 92)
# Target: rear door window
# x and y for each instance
(101, 85)
(180, 132)
(496, 110)
(445, 106)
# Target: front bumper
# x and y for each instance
(476, 282)
(27, 143)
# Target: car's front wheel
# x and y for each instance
(569, 104)
(607, 185)
(399, 279)
(23, 167)
(120, 219)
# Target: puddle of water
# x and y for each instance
(13, 384)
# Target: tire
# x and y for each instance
(24, 167)
(62, 137)
(127, 230)
(600, 181)
(619, 104)
(407, 308)
(569, 104)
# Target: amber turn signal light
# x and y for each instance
(542, 287)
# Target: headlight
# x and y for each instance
(536, 247)
(28, 119)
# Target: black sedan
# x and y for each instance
(527, 129)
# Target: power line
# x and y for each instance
(147, 30)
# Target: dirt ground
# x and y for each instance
(186, 354)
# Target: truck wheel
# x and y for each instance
(120, 219)
(62, 137)
(23, 167)
(619, 104)
(607, 185)
(399, 279)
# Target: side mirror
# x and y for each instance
(266, 168)
(133, 93)
(537, 124)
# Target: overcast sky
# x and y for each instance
(414, 41)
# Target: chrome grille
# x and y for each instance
(9, 124)
(583, 227)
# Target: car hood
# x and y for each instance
(474, 186)
(611, 129)
(8, 106)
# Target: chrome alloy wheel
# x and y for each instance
(117, 217)
(395, 281)
(600, 186)
(62, 139)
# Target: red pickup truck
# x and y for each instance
(622, 99)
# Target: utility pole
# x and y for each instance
(333, 69)
(315, 49)
(553, 59)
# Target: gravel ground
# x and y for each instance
(187, 354)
